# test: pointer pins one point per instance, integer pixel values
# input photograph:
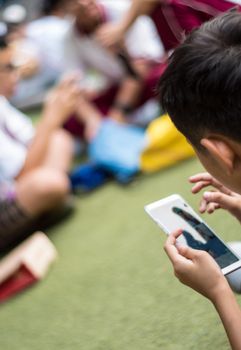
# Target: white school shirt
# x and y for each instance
(16, 133)
(47, 34)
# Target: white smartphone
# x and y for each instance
(174, 213)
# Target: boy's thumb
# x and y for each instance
(186, 251)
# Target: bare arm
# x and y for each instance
(230, 314)
(199, 271)
(111, 35)
(38, 149)
(61, 103)
(137, 9)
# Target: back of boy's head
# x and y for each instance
(201, 88)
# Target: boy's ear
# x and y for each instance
(221, 151)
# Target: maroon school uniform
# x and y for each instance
(174, 18)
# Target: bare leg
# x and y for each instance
(90, 117)
(60, 152)
(41, 190)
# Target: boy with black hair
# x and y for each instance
(201, 92)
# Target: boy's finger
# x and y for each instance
(200, 185)
(200, 177)
(205, 177)
(170, 247)
(203, 180)
(212, 207)
(203, 205)
(187, 252)
(223, 200)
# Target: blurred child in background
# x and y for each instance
(116, 81)
(38, 49)
(33, 162)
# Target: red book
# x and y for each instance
(25, 265)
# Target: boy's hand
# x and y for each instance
(219, 197)
(62, 101)
(195, 268)
(110, 35)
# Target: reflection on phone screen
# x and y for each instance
(208, 241)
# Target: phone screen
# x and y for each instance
(196, 234)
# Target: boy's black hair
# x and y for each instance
(49, 6)
(3, 43)
(3, 35)
(201, 88)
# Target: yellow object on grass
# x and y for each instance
(166, 146)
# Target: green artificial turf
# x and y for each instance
(113, 287)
